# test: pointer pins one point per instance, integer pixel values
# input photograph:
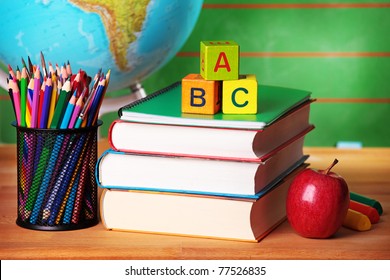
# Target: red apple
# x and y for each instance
(317, 202)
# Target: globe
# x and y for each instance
(132, 38)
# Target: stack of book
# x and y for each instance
(218, 176)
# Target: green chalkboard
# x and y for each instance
(338, 51)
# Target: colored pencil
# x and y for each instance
(61, 105)
(68, 69)
(40, 104)
(75, 82)
(23, 96)
(11, 97)
(53, 99)
(35, 103)
(11, 72)
(77, 109)
(70, 201)
(25, 66)
(47, 96)
(30, 94)
(64, 74)
(16, 99)
(80, 193)
(96, 102)
(35, 167)
(367, 200)
(100, 101)
(30, 67)
(68, 112)
(55, 170)
(367, 210)
(43, 63)
(78, 154)
(58, 192)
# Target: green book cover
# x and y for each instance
(164, 107)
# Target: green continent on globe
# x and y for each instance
(121, 19)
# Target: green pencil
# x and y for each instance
(61, 105)
(23, 97)
(367, 201)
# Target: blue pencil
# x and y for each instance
(47, 177)
(69, 111)
(70, 202)
(52, 207)
(76, 184)
(95, 102)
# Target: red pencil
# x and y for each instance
(367, 210)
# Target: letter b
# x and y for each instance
(198, 100)
(199, 96)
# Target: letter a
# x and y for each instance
(221, 56)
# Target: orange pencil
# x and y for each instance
(367, 210)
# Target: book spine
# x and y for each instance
(97, 166)
(109, 135)
(149, 97)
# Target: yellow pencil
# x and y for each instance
(356, 221)
(53, 100)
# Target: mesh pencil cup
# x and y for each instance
(57, 189)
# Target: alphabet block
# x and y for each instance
(240, 96)
(200, 96)
(219, 60)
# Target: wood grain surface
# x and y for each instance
(366, 171)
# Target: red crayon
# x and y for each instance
(367, 210)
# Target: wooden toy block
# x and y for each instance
(240, 96)
(219, 60)
(200, 96)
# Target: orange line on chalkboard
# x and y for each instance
(353, 100)
(315, 54)
(4, 97)
(299, 54)
(297, 6)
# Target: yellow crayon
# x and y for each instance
(356, 221)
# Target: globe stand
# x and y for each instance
(113, 104)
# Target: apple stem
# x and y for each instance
(326, 171)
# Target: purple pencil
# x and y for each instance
(77, 109)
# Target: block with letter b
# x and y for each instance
(240, 96)
(200, 96)
(219, 60)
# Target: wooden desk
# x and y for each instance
(366, 171)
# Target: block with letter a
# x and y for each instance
(240, 96)
(219, 60)
(200, 96)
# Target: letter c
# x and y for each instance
(234, 97)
